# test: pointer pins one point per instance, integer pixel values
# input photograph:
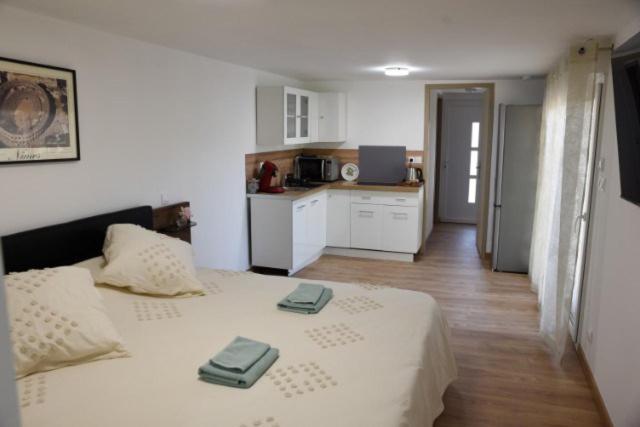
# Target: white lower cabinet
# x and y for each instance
(366, 226)
(400, 229)
(339, 218)
(299, 217)
(287, 234)
(309, 221)
(290, 234)
(317, 223)
(386, 221)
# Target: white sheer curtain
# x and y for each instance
(564, 139)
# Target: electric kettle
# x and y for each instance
(414, 174)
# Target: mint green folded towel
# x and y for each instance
(212, 374)
(240, 355)
(307, 308)
(306, 293)
(245, 366)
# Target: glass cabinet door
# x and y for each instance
(292, 109)
(304, 116)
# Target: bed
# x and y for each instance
(374, 356)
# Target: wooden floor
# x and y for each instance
(506, 375)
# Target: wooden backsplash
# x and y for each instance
(284, 159)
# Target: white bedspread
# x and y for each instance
(373, 357)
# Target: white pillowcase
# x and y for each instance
(57, 319)
(147, 262)
(95, 266)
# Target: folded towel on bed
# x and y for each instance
(246, 360)
(306, 293)
(240, 355)
(290, 303)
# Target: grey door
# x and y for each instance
(515, 195)
(459, 159)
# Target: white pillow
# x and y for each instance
(95, 266)
(148, 262)
(57, 319)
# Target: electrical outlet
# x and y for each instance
(415, 159)
(164, 199)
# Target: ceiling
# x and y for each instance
(354, 39)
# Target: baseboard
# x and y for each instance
(459, 221)
(597, 396)
(363, 253)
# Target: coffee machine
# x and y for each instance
(268, 170)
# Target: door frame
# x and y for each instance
(486, 148)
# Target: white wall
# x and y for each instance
(152, 120)
(392, 113)
(610, 325)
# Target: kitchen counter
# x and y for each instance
(337, 185)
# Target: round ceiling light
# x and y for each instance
(396, 71)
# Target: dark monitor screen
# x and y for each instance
(381, 164)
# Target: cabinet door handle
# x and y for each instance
(313, 202)
(365, 214)
(400, 215)
(401, 200)
(301, 207)
(365, 197)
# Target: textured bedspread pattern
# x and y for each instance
(373, 356)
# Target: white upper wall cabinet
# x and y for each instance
(286, 116)
(290, 116)
(332, 123)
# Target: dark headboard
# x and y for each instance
(68, 243)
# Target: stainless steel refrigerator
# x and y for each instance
(515, 193)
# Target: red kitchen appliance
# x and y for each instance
(268, 171)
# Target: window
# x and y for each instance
(472, 191)
(473, 162)
(475, 134)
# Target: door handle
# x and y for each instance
(313, 202)
(579, 218)
(365, 214)
(301, 207)
(400, 215)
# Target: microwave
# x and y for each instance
(316, 168)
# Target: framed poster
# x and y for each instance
(38, 113)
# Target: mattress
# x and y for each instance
(374, 356)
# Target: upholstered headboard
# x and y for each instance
(67, 243)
